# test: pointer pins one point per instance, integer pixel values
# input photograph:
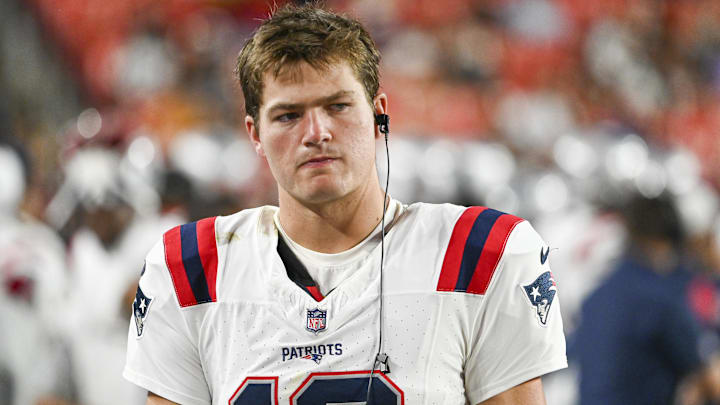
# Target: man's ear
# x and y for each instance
(380, 105)
(254, 135)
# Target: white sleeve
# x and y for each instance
(518, 332)
(162, 354)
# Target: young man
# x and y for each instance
(284, 305)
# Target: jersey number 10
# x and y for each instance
(321, 389)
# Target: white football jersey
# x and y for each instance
(469, 311)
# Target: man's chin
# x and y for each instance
(320, 195)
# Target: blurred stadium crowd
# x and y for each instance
(122, 119)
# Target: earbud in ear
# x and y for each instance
(383, 123)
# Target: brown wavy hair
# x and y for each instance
(311, 34)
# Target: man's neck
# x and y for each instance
(334, 226)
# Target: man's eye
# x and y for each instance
(287, 117)
(339, 106)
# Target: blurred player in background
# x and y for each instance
(102, 251)
(107, 236)
(641, 316)
(33, 356)
(455, 305)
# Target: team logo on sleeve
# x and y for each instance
(316, 320)
(140, 309)
(541, 293)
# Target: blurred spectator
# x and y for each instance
(638, 339)
(33, 357)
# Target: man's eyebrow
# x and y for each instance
(320, 101)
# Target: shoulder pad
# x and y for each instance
(192, 258)
(476, 245)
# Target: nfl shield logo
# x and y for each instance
(316, 320)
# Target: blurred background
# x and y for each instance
(119, 120)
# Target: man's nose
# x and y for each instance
(317, 128)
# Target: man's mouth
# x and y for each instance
(319, 161)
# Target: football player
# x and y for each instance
(340, 295)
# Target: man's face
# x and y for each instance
(316, 129)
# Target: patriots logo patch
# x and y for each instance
(314, 357)
(541, 293)
(316, 320)
(141, 305)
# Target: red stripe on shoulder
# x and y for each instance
(493, 250)
(454, 253)
(207, 248)
(174, 261)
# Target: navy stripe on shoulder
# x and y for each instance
(474, 246)
(193, 263)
